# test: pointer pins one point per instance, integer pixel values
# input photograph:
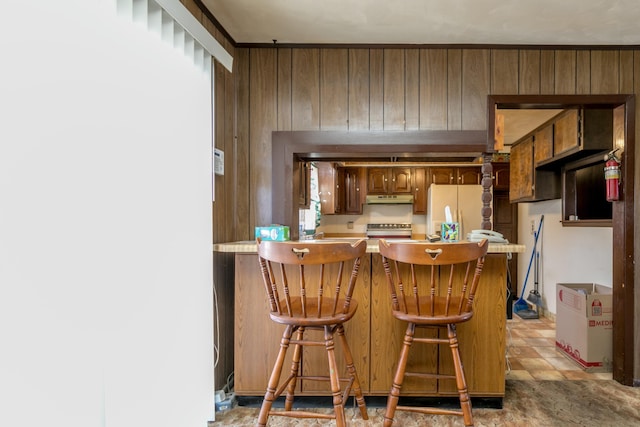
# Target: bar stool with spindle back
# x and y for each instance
(439, 296)
(310, 285)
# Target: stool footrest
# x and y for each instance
(425, 410)
(302, 414)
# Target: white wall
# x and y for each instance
(567, 254)
(105, 223)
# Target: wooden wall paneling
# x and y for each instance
(334, 89)
(565, 72)
(454, 89)
(305, 89)
(547, 72)
(529, 72)
(242, 169)
(433, 89)
(262, 121)
(230, 172)
(191, 6)
(358, 89)
(393, 89)
(476, 83)
(504, 71)
(583, 72)
(284, 89)
(605, 71)
(376, 89)
(625, 81)
(412, 89)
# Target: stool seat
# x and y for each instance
(412, 313)
(327, 316)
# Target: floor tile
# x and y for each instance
(532, 353)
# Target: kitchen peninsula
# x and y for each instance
(374, 335)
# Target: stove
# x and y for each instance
(389, 231)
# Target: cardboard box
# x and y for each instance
(584, 324)
(273, 232)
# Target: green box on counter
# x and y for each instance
(273, 232)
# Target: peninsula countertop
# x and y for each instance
(249, 246)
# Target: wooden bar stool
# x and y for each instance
(310, 286)
(432, 285)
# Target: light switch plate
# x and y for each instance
(218, 162)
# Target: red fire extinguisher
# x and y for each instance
(612, 175)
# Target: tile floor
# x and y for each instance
(532, 354)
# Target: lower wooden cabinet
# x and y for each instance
(374, 336)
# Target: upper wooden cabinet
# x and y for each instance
(577, 133)
(442, 175)
(395, 180)
(537, 159)
(526, 183)
(352, 193)
(544, 144)
(420, 191)
(500, 178)
(470, 175)
(327, 187)
(303, 183)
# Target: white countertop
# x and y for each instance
(249, 246)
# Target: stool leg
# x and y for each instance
(394, 394)
(348, 357)
(272, 387)
(295, 368)
(338, 404)
(461, 382)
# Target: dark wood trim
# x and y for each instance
(623, 215)
(431, 46)
(289, 146)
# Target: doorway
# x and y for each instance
(623, 222)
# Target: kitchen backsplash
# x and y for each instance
(372, 214)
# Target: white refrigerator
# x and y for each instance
(465, 202)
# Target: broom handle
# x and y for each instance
(533, 253)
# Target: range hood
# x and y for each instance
(393, 199)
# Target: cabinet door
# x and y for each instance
(469, 176)
(442, 175)
(353, 190)
(500, 179)
(420, 191)
(377, 181)
(401, 181)
(326, 187)
(303, 174)
(521, 171)
(543, 144)
(566, 131)
(339, 191)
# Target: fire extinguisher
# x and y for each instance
(612, 175)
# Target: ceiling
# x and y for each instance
(488, 22)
